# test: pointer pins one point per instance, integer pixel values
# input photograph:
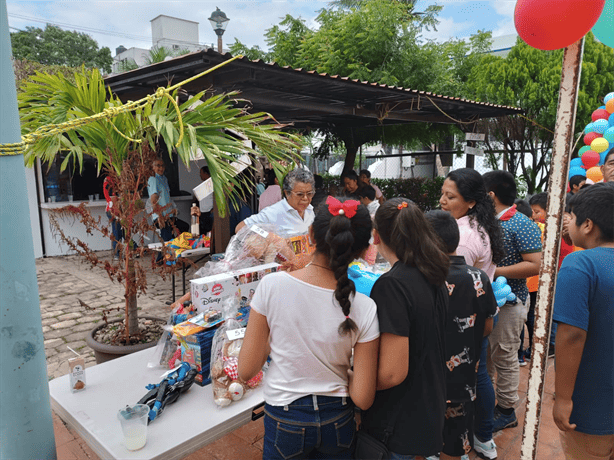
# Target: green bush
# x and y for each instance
(422, 191)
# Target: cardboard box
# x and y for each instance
(211, 291)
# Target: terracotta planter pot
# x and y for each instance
(104, 352)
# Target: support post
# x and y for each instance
(563, 144)
(26, 425)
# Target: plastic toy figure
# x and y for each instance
(168, 390)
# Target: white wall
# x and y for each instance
(138, 55)
(168, 31)
(34, 212)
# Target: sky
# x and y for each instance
(127, 23)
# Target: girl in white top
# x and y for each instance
(309, 321)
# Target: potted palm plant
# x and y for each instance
(124, 144)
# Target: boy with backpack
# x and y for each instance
(472, 306)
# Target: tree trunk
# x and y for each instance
(350, 157)
(132, 318)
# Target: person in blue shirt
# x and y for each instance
(584, 309)
(164, 211)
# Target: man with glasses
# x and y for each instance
(294, 214)
(160, 202)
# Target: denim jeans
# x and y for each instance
(117, 231)
(485, 399)
(310, 427)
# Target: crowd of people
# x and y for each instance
(427, 365)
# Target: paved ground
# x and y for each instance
(63, 280)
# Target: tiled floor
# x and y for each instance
(246, 442)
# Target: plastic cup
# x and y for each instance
(134, 425)
(91, 197)
(97, 196)
(53, 199)
(70, 197)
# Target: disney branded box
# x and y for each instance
(208, 293)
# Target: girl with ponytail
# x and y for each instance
(412, 300)
(309, 321)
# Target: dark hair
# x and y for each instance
(205, 169)
(366, 192)
(524, 207)
(470, 185)
(404, 229)
(446, 228)
(608, 155)
(270, 177)
(541, 200)
(319, 182)
(350, 174)
(366, 172)
(597, 204)
(342, 240)
(575, 180)
(502, 184)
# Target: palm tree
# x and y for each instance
(122, 145)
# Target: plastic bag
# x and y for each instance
(225, 351)
(251, 246)
(166, 347)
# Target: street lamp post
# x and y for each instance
(219, 21)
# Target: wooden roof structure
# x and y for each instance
(304, 98)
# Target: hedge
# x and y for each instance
(422, 191)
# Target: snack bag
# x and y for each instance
(227, 342)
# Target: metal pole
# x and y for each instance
(26, 425)
(563, 141)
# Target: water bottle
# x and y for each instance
(194, 228)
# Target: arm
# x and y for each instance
(239, 226)
(364, 377)
(569, 345)
(488, 325)
(255, 348)
(528, 267)
(393, 361)
(186, 297)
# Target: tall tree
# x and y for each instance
(54, 46)
(373, 40)
(530, 79)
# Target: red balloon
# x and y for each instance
(590, 159)
(600, 114)
(590, 137)
(554, 24)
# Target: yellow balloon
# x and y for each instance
(600, 145)
(594, 174)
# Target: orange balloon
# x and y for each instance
(594, 174)
(609, 106)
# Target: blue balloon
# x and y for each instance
(602, 157)
(575, 171)
(608, 97)
(600, 126)
(611, 119)
(605, 25)
(576, 162)
(588, 128)
(608, 134)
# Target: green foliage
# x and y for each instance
(54, 46)
(127, 65)
(24, 69)
(424, 192)
(158, 54)
(254, 53)
(530, 79)
(51, 99)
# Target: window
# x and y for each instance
(59, 186)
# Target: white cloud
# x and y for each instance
(448, 28)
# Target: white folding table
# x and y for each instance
(185, 426)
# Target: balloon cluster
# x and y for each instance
(554, 24)
(598, 140)
(503, 291)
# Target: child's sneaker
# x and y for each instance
(503, 421)
(521, 361)
(465, 457)
(486, 449)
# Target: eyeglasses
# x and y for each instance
(303, 195)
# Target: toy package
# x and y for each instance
(227, 342)
(209, 293)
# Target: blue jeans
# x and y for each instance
(117, 231)
(484, 404)
(310, 427)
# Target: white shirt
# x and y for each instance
(309, 356)
(206, 204)
(372, 208)
(285, 217)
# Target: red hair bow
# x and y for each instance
(337, 208)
